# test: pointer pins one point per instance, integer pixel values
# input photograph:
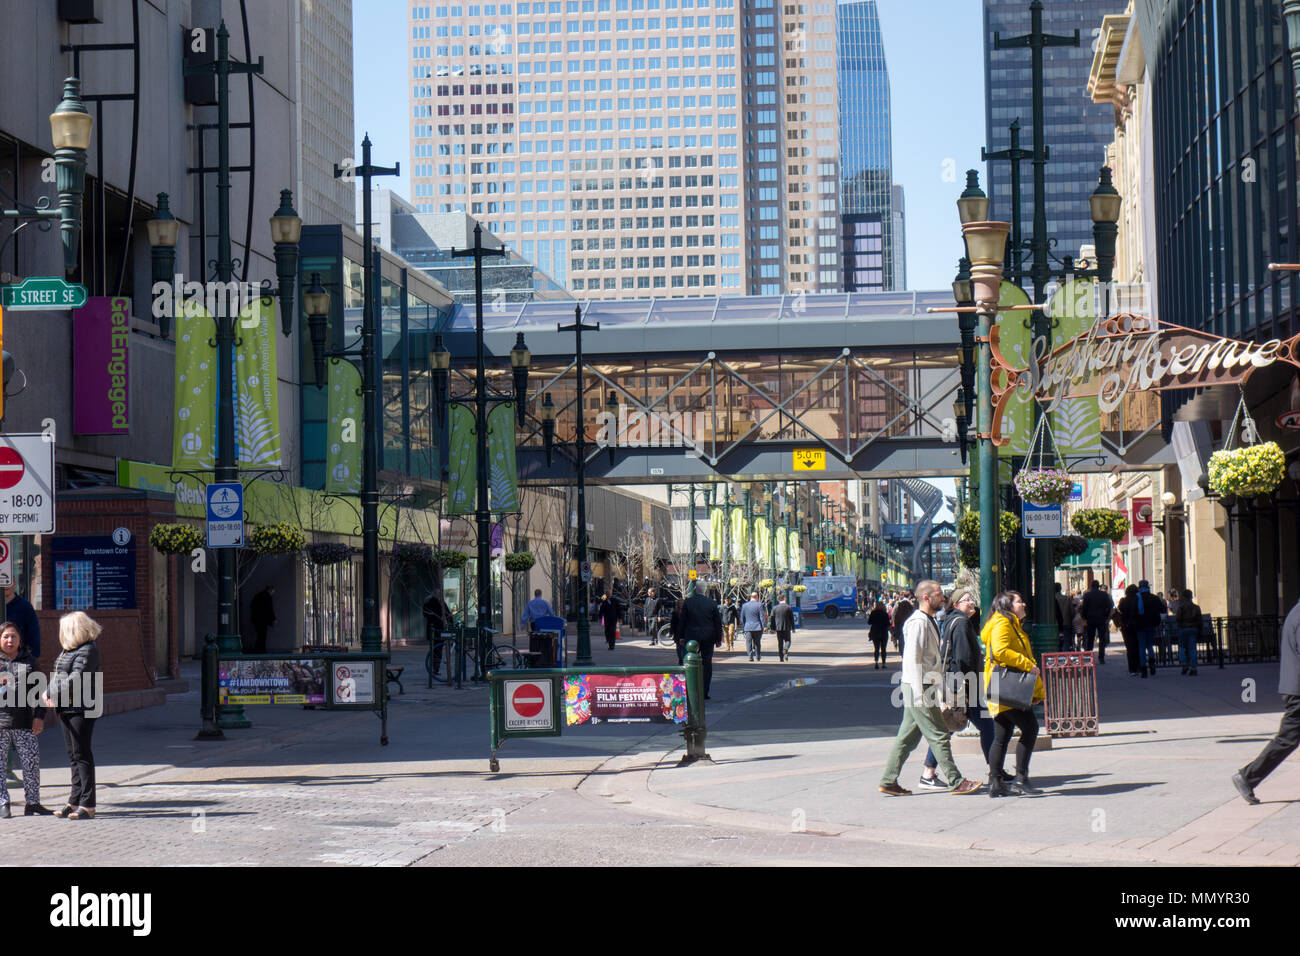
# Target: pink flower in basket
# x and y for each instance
(1047, 486)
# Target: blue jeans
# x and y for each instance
(1187, 645)
(1148, 641)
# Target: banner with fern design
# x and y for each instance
(257, 392)
(194, 422)
(503, 471)
(1076, 422)
(462, 462)
(343, 429)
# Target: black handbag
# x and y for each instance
(1010, 688)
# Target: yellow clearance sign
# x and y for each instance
(810, 459)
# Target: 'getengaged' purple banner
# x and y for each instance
(101, 391)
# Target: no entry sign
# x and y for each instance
(11, 468)
(528, 705)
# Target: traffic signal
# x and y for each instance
(821, 560)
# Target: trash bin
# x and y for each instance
(1070, 679)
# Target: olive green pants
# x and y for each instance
(918, 722)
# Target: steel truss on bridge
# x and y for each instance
(711, 388)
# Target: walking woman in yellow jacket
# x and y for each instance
(1006, 645)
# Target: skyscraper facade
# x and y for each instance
(324, 115)
(636, 148)
(866, 151)
(1076, 130)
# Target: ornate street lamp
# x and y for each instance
(440, 369)
(316, 302)
(519, 359)
(986, 243)
(1104, 206)
(286, 230)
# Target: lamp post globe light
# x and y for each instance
(286, 229)
(70, 130)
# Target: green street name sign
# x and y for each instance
(43, 293)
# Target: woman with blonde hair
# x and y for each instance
(78, 662)
(1009, 648)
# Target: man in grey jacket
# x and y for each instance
(753, 620)
(1288, 734)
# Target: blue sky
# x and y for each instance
(935, 56)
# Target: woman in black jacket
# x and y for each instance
(75, 688)
(878, 632)
(20, 723)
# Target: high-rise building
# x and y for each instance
(1076, 130)
(870, 253)
(898, 239)
(636, 148)
(324, 115)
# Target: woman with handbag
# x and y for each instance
(1012, 685)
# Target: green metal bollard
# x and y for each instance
(696, 728)
(208, 692)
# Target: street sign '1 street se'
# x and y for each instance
(41, 293)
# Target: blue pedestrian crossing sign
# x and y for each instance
(225, 514)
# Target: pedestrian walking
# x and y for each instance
(1150, 611)
(699, 619)
(610, 614)
(262, 613)
(1287, 737)
(1188, 617)
(922, 668)
(730, 618)
(753, 621)
(19, 723)
(1064, 620)
(1096, 607)
(878, 633)
(902, 611)
(71, 689)
(1009, 647)
(437, 621)
(783, 625)
(962, 652)
(1128, 627)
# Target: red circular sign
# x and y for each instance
(11, 467)
(528, 700)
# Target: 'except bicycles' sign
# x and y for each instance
(528, 705)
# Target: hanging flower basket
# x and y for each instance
(329, 553)
(800, 588)
(280, 537)
(449, 559)
(766, 583)
(1100, 524)
(1068, 546)
(175, 538)
(519, 561)
(412, 553)
(1044, 486)
(1247, 472)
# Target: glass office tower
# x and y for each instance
(1077, 131)
(870, 254)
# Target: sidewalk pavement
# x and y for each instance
(797, 749)
(1153, 787)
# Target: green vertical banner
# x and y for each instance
(343, 429)
(1015, 342)
(782, 556)
(739, 534)
(1076, 422)
(194, 426)
(795, 555)
(503, 470)
(462, 463)
(257, 393)
(716, 525)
